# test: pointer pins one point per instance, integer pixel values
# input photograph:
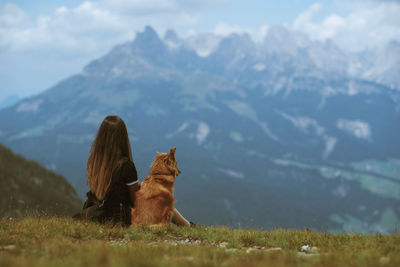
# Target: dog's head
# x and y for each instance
(165, 163)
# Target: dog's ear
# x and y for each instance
(171, 153)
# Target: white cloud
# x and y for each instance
(93, 27)
(367, 25)
(86, 28)
(11, 15)
(257, 34)
(156, 7)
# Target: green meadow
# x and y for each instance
(66, 242)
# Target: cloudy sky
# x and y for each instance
(42, 42)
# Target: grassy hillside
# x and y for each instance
(26, 187)
(64, 242)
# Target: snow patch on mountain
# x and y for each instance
(75, 139)
(243, 109)
(229, 207)
(232, 173)
(179, 130)
(255, 153)
(94, 117)
(116, 71)
(29, 106)
(200, 133)
(236, 136)
(305, 124)
(330, 143)
(203, 131)
(203, 44)
(32, 132)
(358, 128)
(154, 110)
(268, 131)
(340, 191)
(281, 83)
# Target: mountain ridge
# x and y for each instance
(29, 189)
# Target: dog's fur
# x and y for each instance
(154, 202)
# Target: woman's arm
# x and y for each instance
(132, 191)
(129, 173)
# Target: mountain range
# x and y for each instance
(288, 132)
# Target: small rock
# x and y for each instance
(273, 249)
(249, 250)
(305, 248)
(223, 244)
(231, 250)
(384, 260)
(7, 247)
(314, 250)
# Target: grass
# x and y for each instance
(65, 242)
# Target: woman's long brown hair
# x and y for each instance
(108, 150)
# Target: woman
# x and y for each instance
(112, 176)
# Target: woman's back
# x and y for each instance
(118, 202)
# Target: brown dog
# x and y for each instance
(154, 202)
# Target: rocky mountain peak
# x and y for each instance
(170, 35)
(280, 40)
(148, 40)
(235, 45)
